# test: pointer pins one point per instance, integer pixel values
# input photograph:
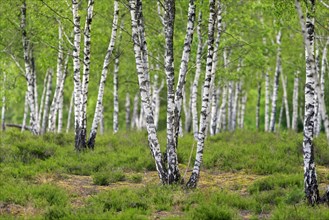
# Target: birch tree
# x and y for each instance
(276, 82)
(45, 114)
(192, 182)
(194, 93)
(310, 177)
(99, 103)
(29, 73)
(143, 81)
(295, 102)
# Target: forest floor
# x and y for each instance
(254, 179)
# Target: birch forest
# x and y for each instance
(164, 109)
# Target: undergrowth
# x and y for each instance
(276, 194)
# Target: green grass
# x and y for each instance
(124, 158)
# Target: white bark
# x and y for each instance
(99, 103)
(259, 89)
(127, 107)
(47, 101)
(243, 109)
(285, 99)
(267, 101)
(142, 71)
(29, 74)
(221, 120)
(44, 88)
(205, 98)
(194, 93)
(183, 67)
(26, 110)
(76, 70)
(82, 133)
(310, 177)
(3, 106)
(295, 103)
(134, 120)
(70, 113)
(276, 82)
(115, 96)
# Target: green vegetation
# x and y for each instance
(43, 177)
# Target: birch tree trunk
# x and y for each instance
(285, 98)
(76, 77)
(115, 96)
(136, 13)
(183, 68)
(3, 107)
(42, 102)
(82, 136)
(59, 75)
(29, 73)
(134, 120)
(47, 101)
(70, 113)
(99, 103)
(156, 99)
(295, 103)
(127, 106)
(221, 121)
(173, 172)
(310, 177)
(267, 101)
(61, 96)
(243, 109)
(26, 110)
(280, 114)
(276, 82)
(259, 94)
(194, 93)
(192, 183)
(214, 112)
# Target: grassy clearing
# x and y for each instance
(246, 175)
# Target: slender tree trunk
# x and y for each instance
(70, 113)
(3, 107)
(59, 74)
(267, 101)
(76, 77)
(101, 123)
(243, 109)
(229, 105)
(187, 112)
(194, 95)
(259, 89)
(295, 103)
(317, 117)
(285, 98)
(214, 112)
(183, 67)
(134, 120)
(29, 73)
(44, 90)
(281, 114)
(47, 100)
(142, 72)
(156, 99)
(221, 121)
(82, 134)
(99, 103)
(115, 96)
(127, 106)
(276, 82)
(61, 96)
(310, 178)
(192, 183)
(35, 88)
(173, 171)
(26, 110)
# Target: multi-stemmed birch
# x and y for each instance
(192, 182)
(29, 73)
(143, 81)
